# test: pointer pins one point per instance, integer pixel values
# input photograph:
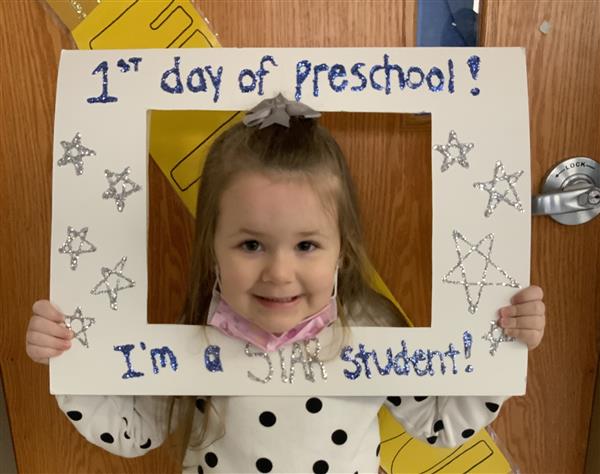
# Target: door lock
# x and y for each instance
(571, 192)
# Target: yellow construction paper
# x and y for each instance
(178, 144)
(72, 12)
(401, 453)
(144, 24)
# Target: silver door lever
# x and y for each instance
(570, 193)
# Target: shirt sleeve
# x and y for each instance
(127, 426)
(444, 421)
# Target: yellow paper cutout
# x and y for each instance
(72, 12)
(144, 24)
(401, 453)
(178, 144)
(175, 146)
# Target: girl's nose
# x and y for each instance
(278, 269)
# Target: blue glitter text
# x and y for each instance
(172, 83)
(422, 361)
(255, 77)
(212, 359)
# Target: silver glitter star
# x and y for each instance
(81, 332)
(74, 152)
(495, 336)
(127, 187)
(454, 151)
(495, 196)
(510, 281)
(113, 292)
(85, 246)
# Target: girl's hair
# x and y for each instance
(306, 150)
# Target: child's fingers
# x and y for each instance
(45, 326)
(42, 354)
(531, 337)
(531, 308)
(46, 310)
(45, 341)
(524, 322)
(530, 293)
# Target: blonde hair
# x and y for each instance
(304, 149)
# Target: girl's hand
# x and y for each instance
(526, 318)
(47, 335)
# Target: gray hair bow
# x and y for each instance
(277, 110)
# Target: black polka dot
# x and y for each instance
(267, 418)
(200, 403)
(264, 465)
(320, 467)
(125, 420)
(467, 433)
(493, 407)
(200, 470)
(211, 459)
(107, 438)
(339, 437)
(126, 435)
(420, 399)
(438, 426)
(147, 444)
(75, 415)
(377, 450)
(432, 439)
(314, 405)
(395, 401)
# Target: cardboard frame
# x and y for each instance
(478, 93)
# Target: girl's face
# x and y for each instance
(277, 248)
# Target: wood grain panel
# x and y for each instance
(390, 160)
(546, 431)
(312, 23)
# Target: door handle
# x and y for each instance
(570, 193)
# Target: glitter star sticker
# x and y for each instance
(496, 197)
(79, 329)
(113, 287)
(454, 152)
(495, 336)
(486, 244)
(74, 152)
(85, 246)
(127, 187)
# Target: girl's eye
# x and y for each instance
(306, 246)
(250, 245)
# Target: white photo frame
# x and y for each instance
(103, 97)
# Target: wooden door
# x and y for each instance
(547, 430)
(394, 191)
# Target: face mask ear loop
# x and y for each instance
(335, 282)
(217, 281)
(216, 296)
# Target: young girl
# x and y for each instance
(278, 234)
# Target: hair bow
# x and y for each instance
(277, 110)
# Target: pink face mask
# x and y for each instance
(224, 318)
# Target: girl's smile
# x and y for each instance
(277, 246)
(278, 303)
